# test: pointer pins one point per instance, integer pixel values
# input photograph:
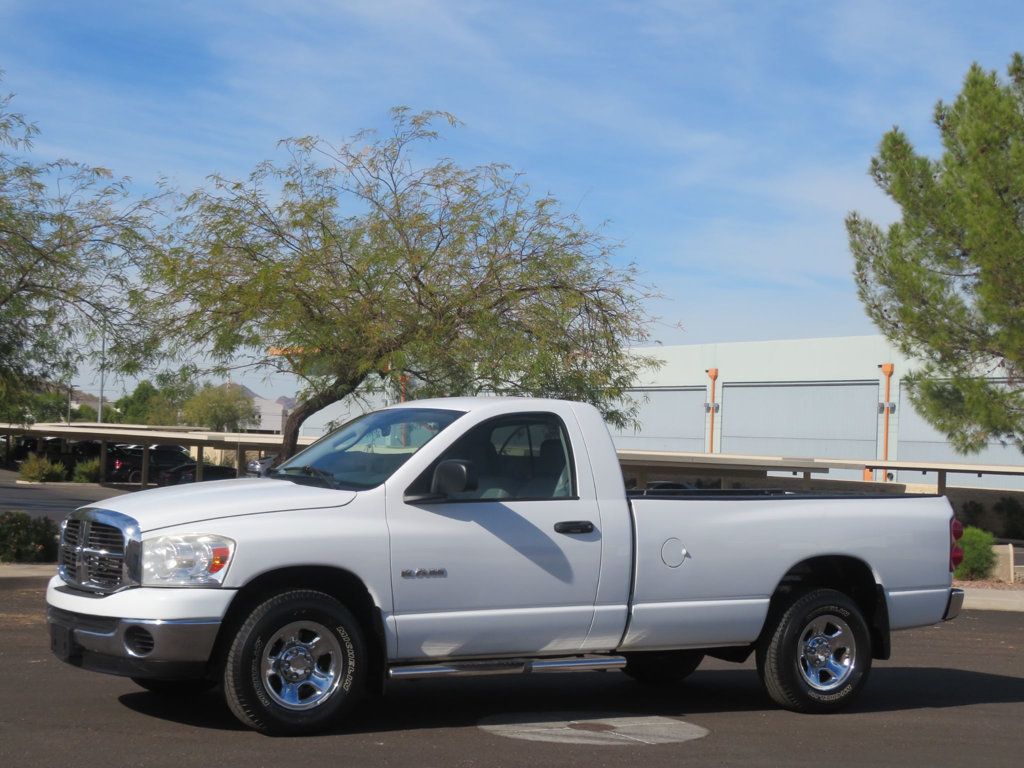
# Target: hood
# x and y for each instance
(195, 502)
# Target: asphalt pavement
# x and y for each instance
(53, 500)
(952, 694)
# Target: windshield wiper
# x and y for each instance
(310, 471)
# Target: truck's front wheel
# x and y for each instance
(296, 664)
(817, 655)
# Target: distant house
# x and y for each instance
(271, 413)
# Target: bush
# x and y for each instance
(26, 539)
(40, 470)
(87, 471)
(978, 555)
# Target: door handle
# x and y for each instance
(574, 526)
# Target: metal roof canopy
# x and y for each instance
(719, 461)
(151, 435)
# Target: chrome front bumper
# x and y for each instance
(956, 602)
(149, 648)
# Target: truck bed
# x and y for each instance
(707, 563)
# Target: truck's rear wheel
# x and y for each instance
(662, 667)
(296, 664)
(817, 656)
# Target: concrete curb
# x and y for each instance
(27, 570)
(994, 599)
(57, 483)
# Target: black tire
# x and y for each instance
(175, 687)
(662, 667)
(135, 476)
(805, 659)
(258, 676)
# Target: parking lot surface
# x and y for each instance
(951, 695)
(48, 500)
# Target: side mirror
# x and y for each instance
(453, 476)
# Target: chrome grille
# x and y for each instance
(69, 540)
(99, 550)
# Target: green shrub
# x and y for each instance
(26, 539)
(978, 555)
(40, 470)
(87, 471)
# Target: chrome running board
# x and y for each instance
(505, 667)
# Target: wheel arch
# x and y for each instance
(843, 573)
(343, 585)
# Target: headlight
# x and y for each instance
(185, 561)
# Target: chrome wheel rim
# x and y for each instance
(302, 665)
(826, 652)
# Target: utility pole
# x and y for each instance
(71, 388)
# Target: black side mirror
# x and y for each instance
(453, 476)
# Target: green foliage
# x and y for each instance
(159, 404)
(134, 408)
(224, 409)
(26, 539)
(40, 470)
(30, 407)
(87, 471)
(85, 412)
(945, 284)
(353, 265)
(69, 237)
(978, 555)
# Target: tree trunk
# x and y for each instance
(290, 438)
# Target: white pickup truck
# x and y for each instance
(485, 536)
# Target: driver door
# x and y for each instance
(485, 573)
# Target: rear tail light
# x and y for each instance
(956, 554)
(118, 464)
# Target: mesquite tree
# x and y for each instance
(352, 265)
(69, 234)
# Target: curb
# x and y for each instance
(27, 570)
(57, 482)
(994, 600)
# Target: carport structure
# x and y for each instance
(145, 436)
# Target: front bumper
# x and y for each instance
(150, 648)
(956, 602)
(142, 632)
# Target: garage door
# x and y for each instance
(670, 420)
(813, 419)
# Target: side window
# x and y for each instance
(526, 456)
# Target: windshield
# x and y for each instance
(367, 450)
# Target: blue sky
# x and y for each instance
(722, 143)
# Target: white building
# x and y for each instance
(794, 398)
